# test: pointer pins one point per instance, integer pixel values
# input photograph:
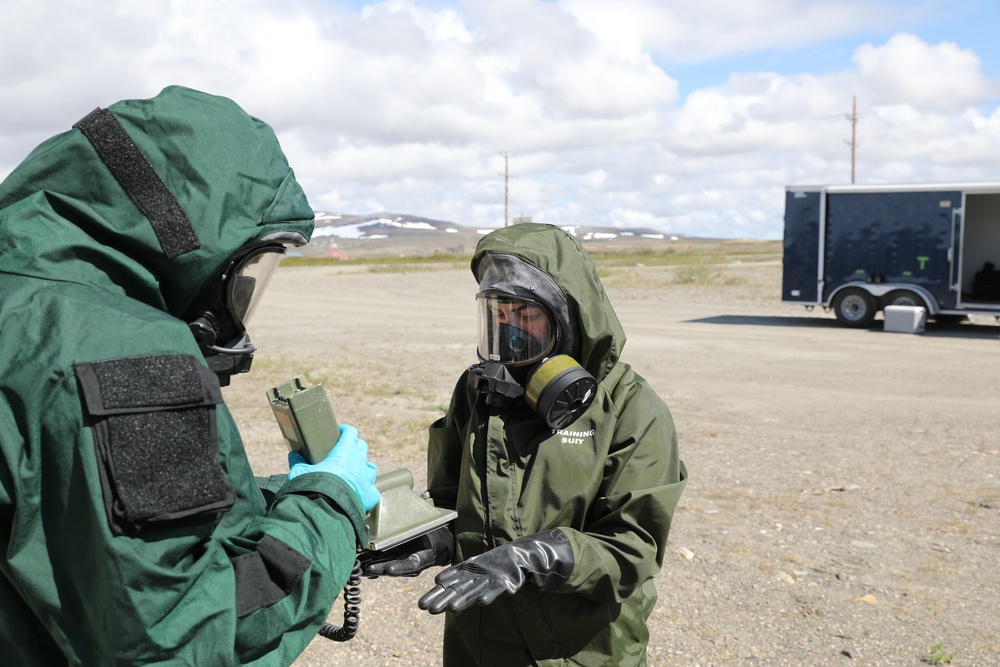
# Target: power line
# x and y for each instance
(855, 116)
(412, 170)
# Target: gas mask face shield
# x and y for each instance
(524, 343)
(513, 332)
(219, 317)
(249, 280)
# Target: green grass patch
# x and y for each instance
(605, 255)
(434, 260)
(939, 655)
(688, 253)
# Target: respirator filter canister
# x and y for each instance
(560, 390)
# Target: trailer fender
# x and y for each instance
(880, 290)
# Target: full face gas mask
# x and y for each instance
(219, 316)
(527, 336)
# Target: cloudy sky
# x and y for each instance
(682, 116)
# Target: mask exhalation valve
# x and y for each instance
(495, 382)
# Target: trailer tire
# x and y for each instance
(903, 297)
(854, 307)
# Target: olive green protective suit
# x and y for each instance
(610, 481)
(132, 530)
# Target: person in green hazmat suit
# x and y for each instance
(563, 466)
(134, 248)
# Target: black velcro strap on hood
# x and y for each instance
(133, 171)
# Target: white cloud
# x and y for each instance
(708, 29)
(405, 106)
(907, 69)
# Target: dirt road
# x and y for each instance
(844, 502)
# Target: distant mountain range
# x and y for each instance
(340, 234)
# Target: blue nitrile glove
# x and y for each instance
(347, 460)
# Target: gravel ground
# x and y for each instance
(844, 502)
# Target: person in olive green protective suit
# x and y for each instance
(133, 249)
(562, 463)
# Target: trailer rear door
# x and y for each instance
(803, 245)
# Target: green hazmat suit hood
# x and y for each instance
(562, 258)
(149, 198)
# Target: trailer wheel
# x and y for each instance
(904, 297)
(854, 307)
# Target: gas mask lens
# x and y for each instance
(513, 331)
(249, 280)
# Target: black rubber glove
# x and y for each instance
(546, 559)
(411, 558)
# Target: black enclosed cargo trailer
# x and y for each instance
(855, 249)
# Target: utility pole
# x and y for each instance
(853, 143)
(506, 187)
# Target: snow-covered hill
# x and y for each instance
(378, 226)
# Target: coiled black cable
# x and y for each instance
(352, 610)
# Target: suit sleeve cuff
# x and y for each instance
(336, 493)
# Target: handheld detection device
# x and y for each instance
(309, 427)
